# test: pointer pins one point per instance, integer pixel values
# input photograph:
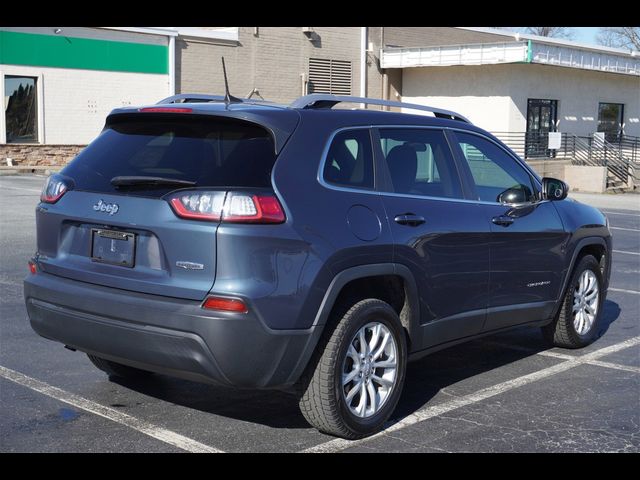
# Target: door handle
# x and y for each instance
(409, 219)
(503, 220)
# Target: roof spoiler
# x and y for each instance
(203, 98)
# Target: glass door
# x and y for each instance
(542, 116)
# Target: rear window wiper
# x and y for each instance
(144, 181)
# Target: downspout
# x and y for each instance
(363, 63)
(3, 129)
(172, 65)
(385, 88)
(383, 73)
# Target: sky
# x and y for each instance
(580, 34)
(586, 34)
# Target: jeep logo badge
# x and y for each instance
(110, 208)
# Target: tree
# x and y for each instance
(621, 37)
(556, 32)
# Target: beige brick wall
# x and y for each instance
(271, 61)
(38, 155)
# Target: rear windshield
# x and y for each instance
(213, 152)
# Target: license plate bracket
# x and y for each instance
(114, 247)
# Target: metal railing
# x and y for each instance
(534, 146)
(621, 156)
(627, 145)
(593, 151)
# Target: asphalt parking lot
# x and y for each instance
(502, 393)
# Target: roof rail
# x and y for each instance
(318, 100)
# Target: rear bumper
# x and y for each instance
(166, 335)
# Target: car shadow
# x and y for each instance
(451, 372)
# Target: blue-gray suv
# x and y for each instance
(306, 248)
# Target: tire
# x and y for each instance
(324, 398)
(563, 331)
(114, 369)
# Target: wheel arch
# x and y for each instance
(596, 246)
(372, 277)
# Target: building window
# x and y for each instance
(20, 109)
(610, 118)
(329, 76)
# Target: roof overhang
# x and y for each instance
(226, 34)
(146, 30)
(550, 40)
(511, 52)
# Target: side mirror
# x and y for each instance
(554, 189)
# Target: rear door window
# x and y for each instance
(210, 151)
(419, 162)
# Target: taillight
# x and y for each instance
(198, 205)
(225, 304)
(54, 188)
(230, 207)
(32, 267)
(247, 208)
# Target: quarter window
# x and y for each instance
(20, 109)
(419, 162)
(349, 161)
(494, 172)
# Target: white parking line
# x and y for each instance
(563, 356)
(626, 229)
(626, 253)
(20, 188)
(617, 366)
(437, 410)
(618, 213)
(610, 289)
(159, 433)
(530, 350)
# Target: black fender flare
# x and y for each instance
(334, 289)
(371, 270)
(584, 242)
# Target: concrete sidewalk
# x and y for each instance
(623, 201)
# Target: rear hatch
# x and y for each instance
(115, 225)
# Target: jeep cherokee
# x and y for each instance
(306, 248)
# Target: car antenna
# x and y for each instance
(228, 98)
